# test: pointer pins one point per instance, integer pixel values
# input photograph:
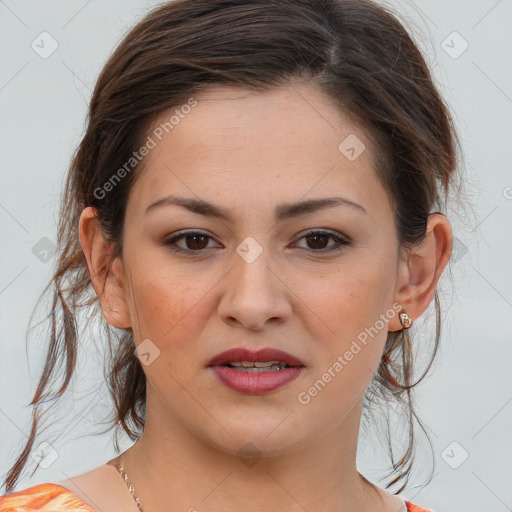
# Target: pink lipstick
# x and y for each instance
(255, 373)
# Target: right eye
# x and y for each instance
(194, 242)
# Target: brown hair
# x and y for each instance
(354, 50)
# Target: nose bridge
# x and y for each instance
(252, 264)
(254, 293)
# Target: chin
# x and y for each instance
(257, 439)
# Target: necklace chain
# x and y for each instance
(131, 489)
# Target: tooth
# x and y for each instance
(262, 370)
(255, 364)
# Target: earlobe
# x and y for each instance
(106, 275)
(421, 269)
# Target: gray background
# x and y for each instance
(467, 400)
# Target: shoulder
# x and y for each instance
(411, 507)
(43, 497)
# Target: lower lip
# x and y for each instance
(255, 383)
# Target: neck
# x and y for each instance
(170, 465)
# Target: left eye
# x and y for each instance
(195, 241)
(319, 237)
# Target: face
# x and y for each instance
(318, 283)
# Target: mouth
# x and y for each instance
(267, 359)
(255, 373)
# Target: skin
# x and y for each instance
(248, 152)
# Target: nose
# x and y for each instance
(254, 293)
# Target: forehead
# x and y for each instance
(290, 115)
(279, 144)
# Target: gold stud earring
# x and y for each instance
(405, 320)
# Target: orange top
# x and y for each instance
(46, 497)
(50, 497)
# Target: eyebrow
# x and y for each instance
(282, 212)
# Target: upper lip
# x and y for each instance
(242, 354)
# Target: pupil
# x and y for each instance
(324, 237)
(195, 238)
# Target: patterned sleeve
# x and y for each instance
(411, 507)
(47, 497)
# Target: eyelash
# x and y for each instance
(340, 241)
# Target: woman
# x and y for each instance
(257, 206)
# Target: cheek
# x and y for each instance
(169, 307)
(347, 357)
(351, 302)
(351, 297)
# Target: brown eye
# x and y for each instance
(318, 241)
(191, 241)
(196, 242)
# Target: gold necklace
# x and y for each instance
(124, 475)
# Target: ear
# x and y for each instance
(421, 268)
(109, 283)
